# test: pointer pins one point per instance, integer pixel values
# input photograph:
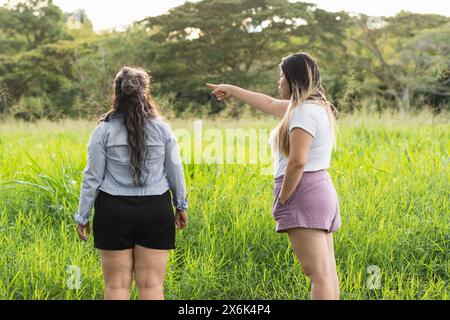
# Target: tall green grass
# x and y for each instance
(391, 174)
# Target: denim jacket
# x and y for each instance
(108, 168)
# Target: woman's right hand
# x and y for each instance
(260, 101)
(221, 91)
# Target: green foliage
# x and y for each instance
(394, 52)
(394, 216)
(399, 62)
(38, 21)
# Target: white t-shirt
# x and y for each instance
(312, 117)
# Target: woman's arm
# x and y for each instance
(260, 101)
(174, 169)
(300, 142)
(175, 175)
(93, 176)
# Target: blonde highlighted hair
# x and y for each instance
(303, 77)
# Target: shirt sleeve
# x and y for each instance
(305, 118)
(93, 174)
(174, 170)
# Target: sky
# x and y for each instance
(106, 14)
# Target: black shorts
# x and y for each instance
(120, 222)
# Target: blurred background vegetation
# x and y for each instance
(53, 65)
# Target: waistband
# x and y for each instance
(135, 197)
(307, 175)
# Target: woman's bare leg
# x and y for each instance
(311, 249)
(149, 268)
(333, 265)
(117, 268)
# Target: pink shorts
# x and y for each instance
(313, 204)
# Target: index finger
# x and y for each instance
(212, 86)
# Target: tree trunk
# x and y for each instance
(402, 98)
(405, 98)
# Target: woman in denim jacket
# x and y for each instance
(133, 178)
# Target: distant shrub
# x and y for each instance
(29, 108)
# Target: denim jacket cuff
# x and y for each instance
(181, 204)
(80, 219)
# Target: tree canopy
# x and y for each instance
(53, 64)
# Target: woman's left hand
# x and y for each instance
(282, 199)
(181, 218)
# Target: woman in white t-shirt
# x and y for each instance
(306, 204)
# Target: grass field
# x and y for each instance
(391, 174)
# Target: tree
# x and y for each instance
(38, 21)
(427, 58)
(378, 51)
(222, 40)
(35, 66)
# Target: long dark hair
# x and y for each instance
(132, 98)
